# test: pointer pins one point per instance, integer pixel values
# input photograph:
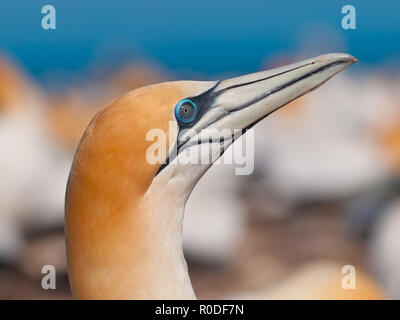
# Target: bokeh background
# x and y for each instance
(325, 191)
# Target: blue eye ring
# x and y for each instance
(178, 107)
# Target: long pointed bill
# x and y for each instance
(241, 102)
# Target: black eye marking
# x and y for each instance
(201, 103)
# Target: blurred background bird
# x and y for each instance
(313, 202)
(33, 168)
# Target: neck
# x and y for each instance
(123, 250)
(165, 265)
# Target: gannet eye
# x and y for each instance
(185, 111)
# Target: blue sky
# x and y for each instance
(194, 37)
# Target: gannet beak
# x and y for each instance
(239, 103)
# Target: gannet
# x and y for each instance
(123, 213)
(33, 170)
(320, 279)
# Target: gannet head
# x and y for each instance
(125, 196)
